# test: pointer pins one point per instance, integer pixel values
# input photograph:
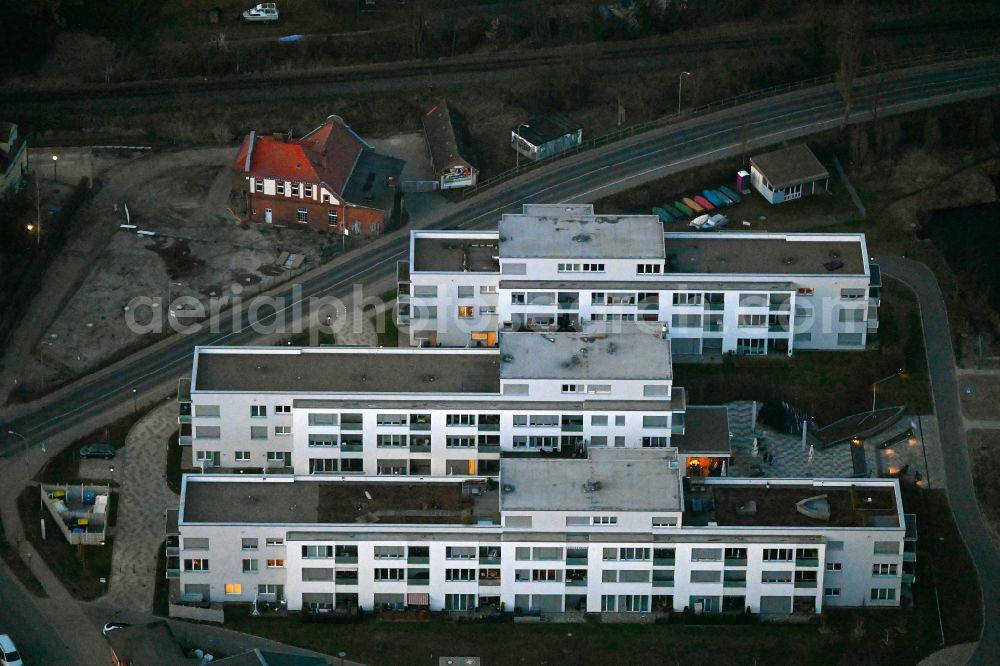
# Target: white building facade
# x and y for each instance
(556, 268)
(619, 532)
(440, 412)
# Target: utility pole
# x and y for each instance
(38, 214)
(680, 89)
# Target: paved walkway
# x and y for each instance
(144, 499)
(972, 526)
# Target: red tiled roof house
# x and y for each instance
(330, 179)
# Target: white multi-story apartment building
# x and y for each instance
(556, 267)
(618, 532)
(387, 411)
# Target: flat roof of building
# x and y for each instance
(346, 370)
(609, 480)
(706, 430)
(790, 166)
(685, 283)
(542, 128)
(455, 255)
(573, 236)
(345, 500)
(632, 352)
(765, 254)
(773, 504)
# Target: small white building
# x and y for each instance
(788, 173)
(559, 268)
(618, 532)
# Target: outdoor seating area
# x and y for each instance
(80, 511)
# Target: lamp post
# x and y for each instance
(170, 296)
(135, 404)
(55, 162)
(23, 439)
(517, 153)
(884, 379)
(680, 89)
(37, 230)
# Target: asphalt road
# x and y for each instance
(961, 493)
(38, 641)
(584, 177)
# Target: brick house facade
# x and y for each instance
(330, 180)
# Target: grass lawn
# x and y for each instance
(827, 385)
(913, 633)
(983, 448)
(79, 568)
(18, 566)
(65, 465)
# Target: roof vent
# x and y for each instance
(507, 358)
(508, 488)
(834, 254)
(788, 261)
(251, 499)
(429, 378)
(748, 508)
(833, 265)
(550, 338)
(612, 348)
(364, 378)
(591, 486)
(817, 507)
(582, 238)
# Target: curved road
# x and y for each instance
(584, 177)
(961, 493)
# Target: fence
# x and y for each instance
(726, 103)
(214, 613)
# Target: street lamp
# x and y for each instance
(517, 153)
(38, 235)
(884, 379)
(55, 161)
(23, 439)
(135, 406)
(680, 88)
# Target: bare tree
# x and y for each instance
(853, 20)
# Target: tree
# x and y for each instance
(850, 42)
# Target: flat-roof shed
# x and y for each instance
(788, 173)
(545, 135)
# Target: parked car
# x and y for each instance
(98, 450)
(111, 626)
(9, 656)
(699, 221)
(265, 12)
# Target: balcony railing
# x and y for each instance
(806, 562)
(352, 447)
(715, 307)
(576, 560)
(418, 559)
(489, 448)
(664, 561)
(576, 583)
(420, 426)
(489, 427)
(418, 581)
(572, 427)
(420, 448)
(805, 583)
(489, 582)
(351, 426)
(663, 583)
(734, 583)
(184, 439)
(346, 559)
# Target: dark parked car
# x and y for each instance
(98, 450)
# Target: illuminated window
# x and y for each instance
(234, 588)
(466, 311)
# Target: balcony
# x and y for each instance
(184, 439)
(576, 583)
(572, 427)
(418, 582)
(663, 561)
(576, 560)
(663, 583)
(489, 448)
(346, 559)
(735, 562)
(420, 448)
(909, 556)
(489, 427)
(420, 426)
(489, 582)
(711, 327)
(715, 307)
(351, 426)
(805, 584)
(184, 418)
(418, 559)
(777, 328)
(908, 577)
(735, 583)
(806, 562)
(355, 448)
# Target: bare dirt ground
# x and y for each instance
(200, 251)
